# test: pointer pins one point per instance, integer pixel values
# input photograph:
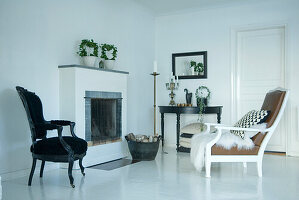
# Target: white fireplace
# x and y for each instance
(80, 88)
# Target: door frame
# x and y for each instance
(235, 77)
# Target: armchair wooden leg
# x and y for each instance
(70, 169)
(32, 171)
(42, 169)
(81, 166)
(208, 169)
(259, 165)
(208, 161)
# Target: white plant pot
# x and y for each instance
(193, 72)
(89, 60)
(109, 64)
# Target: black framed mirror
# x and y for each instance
(190, 65)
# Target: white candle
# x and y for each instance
(155, 66)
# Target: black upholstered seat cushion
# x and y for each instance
(52, 146)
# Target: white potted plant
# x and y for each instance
(109, 54)
(197, 68)
(88, 50)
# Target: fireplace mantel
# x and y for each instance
(74, 81)
(92, 68)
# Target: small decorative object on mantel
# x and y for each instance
(88, 50)
(101, 64)
(172, 85)
(202, 98)
(109, 54)
(190, 65)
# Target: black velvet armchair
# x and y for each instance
(56, 149)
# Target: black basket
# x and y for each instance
(143, 150)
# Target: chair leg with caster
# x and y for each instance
(81, 166)
(70, 169)
(42, 169)
(32, 171)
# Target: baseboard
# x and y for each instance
(275, 153)
(87, 162)
(103, 159)
(293, 153)
(169, 145)
(25, 172)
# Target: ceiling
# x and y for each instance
(161, 7)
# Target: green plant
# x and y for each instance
(198, 67)
(201, 94)
(108, 47)
(88, 44)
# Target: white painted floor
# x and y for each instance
(169, 177)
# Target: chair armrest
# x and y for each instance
(215, 124)
(64, 144)
(59, 128)
(229, 127)
(241, 129)
(218, 133)
(46, 126)
(49, 126)
(215, 140)
(72, 126)
(61, 122)
(65, 123)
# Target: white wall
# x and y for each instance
(37, 36)
(210, 30)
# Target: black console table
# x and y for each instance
(185, 110)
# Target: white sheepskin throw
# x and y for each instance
(227, 141)
(198, 146)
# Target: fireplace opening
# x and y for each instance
(103, 117)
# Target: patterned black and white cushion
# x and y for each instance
(251, 118)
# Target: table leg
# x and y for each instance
(162, 128)
(178, 122)
(219, 116)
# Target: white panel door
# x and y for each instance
(260, 67)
